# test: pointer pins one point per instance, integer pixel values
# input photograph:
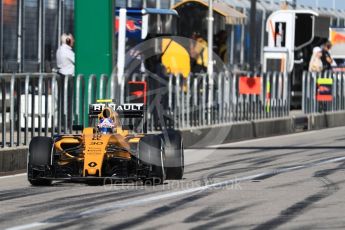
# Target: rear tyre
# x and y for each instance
(151, 154)
(39, 158)
(174, 155)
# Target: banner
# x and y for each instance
(337, 38)
(324, 89)
(250, 85)
(133, 28)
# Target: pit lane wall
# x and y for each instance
(14, 159)
(261, 128)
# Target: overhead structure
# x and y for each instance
(194, 17)
(206, 18)
(231, 15)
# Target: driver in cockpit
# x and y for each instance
(108, 121)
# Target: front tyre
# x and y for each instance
(39, 159)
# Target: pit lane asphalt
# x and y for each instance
(286, 182)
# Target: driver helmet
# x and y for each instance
(107, 122)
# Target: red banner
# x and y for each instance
(250, 85)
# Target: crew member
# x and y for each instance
(326, 58)
(198, 53)
(315, 64)
(65, 57)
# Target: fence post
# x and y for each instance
(188, 88)
(304, 92)
(103, 81)
(53, 102)
(235, 98)
(312, 83)
(338, 77)
(183, 102)
(262, 100)
(3, 105)
(79, 104)
(204, 106)
(12, 111)
(220, 98)
(40, 80)
(343, 91)
(26, 110)
(91, 87)
(196, 107)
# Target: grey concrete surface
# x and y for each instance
(293, 181)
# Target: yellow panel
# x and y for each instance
(325, 81)
(88, 131)
(94, 152)
(176, 58)
(104, 101)
(134, 140)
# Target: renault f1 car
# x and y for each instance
(108, 149)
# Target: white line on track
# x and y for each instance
(11, 176)
(125, 204)
(28, 226)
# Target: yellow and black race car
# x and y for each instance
(108, 150)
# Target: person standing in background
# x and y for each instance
(65, 56)
(221, 41)
(326, 58)
(315, 64)
(65, 59)
(198, 53)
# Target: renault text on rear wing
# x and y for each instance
(130, 110)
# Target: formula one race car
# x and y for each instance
(108, 150)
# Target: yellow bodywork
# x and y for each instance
(96, 149)
(94, 146)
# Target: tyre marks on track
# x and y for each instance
(196, 192)
(71, 204)
(299, 208)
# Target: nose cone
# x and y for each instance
(92, 171)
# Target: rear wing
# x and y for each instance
(133, 113)
(130, 110)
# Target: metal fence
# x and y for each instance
(49, 104)
(202, 101)
(320, 95)
(45, 104)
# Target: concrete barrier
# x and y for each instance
(237, 131)
(14, 159)
(261, 128)
(327, 120)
